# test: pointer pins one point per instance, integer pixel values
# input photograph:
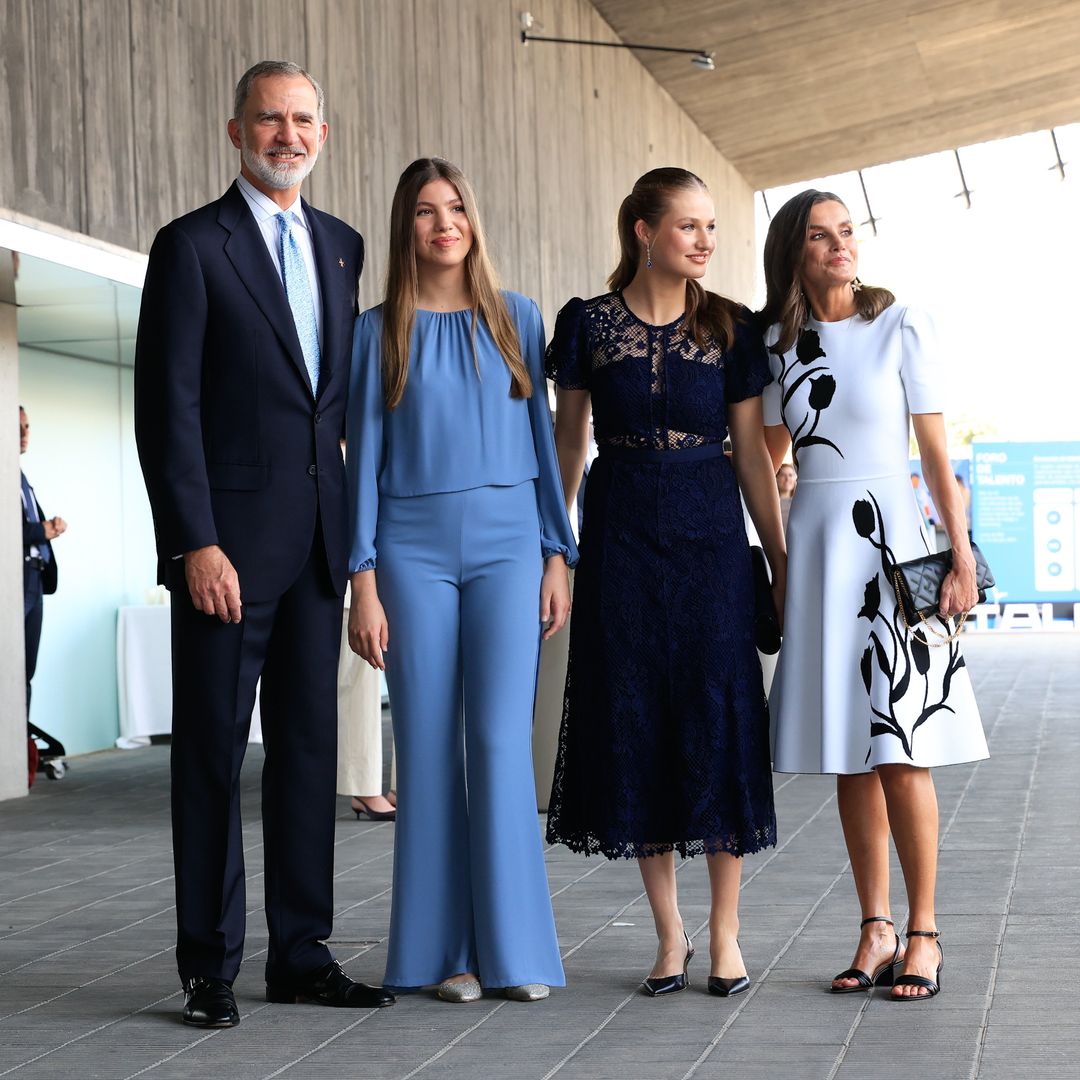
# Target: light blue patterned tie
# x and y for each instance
(298, 290)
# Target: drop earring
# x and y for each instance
(856, 285)
(648, 255)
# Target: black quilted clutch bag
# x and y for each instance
(918, 583)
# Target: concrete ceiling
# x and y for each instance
(807, 89)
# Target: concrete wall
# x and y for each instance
(12, 655)
(113, 113)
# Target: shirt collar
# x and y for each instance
(263, 207)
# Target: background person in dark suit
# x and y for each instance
(39, 563)
(241, 372)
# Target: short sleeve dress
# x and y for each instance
(664, 736)
(853, 688)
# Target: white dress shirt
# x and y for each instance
(265, 212)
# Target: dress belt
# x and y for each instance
(661, 457)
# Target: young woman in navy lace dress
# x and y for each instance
(664, 743)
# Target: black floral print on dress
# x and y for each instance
(893, 653)
(808, 352)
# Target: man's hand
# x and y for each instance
(54, 527)
(213, 584)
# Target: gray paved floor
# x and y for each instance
(88, 986)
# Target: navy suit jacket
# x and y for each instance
(235, 449)
(33, 535)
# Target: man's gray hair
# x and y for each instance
(271, 67)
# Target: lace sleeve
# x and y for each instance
(566, 360)
(747, 363)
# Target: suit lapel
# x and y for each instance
(246, 250)
(332, 280)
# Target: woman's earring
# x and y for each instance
(856, 285)
(648, 255)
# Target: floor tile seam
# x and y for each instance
(611, 1016)
(39, 847)
(849, 1038)
(980, 1038)
(106, 899)
(91, 982)
(618, 915)
(176, 1053)
(565, 956)
(998, 720)
(79, 855)
(374, 858)
(857, 1021)
(770, 967)
(451, 1044)
(781, 848)
(79, 881)
(86, 907)
(858, 1018)
(87, 1034)
(581, 877)
(360, 903)
(360, 833)
(557, 1067)
(314, 1050)
(246, 959)
(105, 795)
(87, 941)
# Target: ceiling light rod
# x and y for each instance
(700, 57)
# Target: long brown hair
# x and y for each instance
(707, 313)
(403, 283)
(785, 244)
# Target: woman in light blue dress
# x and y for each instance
(459, 556)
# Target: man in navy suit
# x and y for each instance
(241, 371)
(39, 562)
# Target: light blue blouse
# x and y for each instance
(454, 428)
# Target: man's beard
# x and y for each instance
(279, 175)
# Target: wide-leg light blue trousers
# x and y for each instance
(459, 577)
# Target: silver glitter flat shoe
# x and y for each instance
(528, 992)
(460, 993)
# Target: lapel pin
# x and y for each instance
(341, 263)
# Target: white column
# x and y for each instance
(13, 775)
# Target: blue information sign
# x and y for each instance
(1026, 518)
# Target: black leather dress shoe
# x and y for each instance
(728, 987)
(210, 1003)
(328, 986)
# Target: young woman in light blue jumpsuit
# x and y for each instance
(457, 507)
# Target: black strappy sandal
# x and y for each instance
(933, 986)
(883, 973)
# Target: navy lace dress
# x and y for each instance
(664, 741)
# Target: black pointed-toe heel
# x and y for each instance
(933, 986)
(374, 815)
(882, 974)
(722, 987)
(728, 987)
(670, 984)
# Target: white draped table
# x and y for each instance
(144, 676)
